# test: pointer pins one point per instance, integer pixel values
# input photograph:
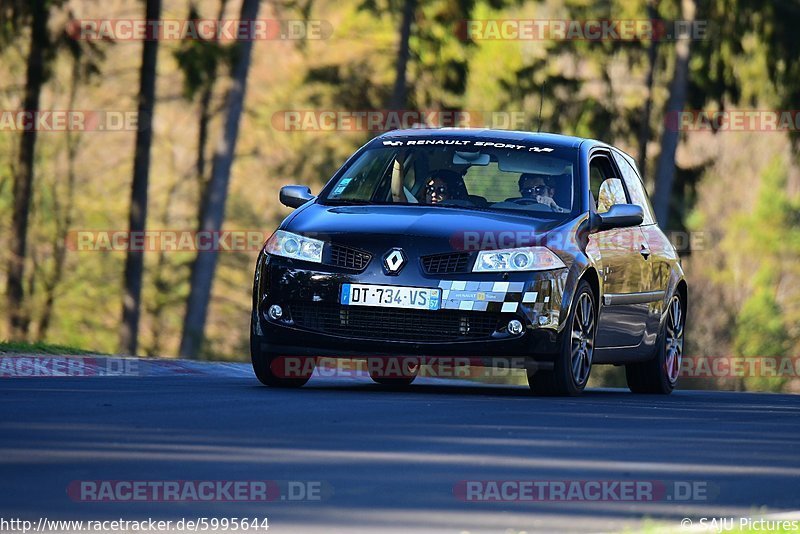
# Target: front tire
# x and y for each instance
(660, 374)
(266, 366)
(573, 363)
(409, 369)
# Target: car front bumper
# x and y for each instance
(476, 308)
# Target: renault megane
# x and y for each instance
(536, 248)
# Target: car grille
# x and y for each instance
(446, 263)
(349, 258)
(394, 324)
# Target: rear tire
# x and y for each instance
(573, 363)
(659, 375)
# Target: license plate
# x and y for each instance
(415, 298)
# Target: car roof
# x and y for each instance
(562, 141)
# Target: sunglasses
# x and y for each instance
(431, 189)
(535, 190)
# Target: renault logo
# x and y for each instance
(393, 261)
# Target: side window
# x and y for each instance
(635, 188)
(605, 187)
(596, 178)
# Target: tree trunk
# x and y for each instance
(206, 114)
(19, 316)
(134, 261)
(161, 282)
(665, 171)
(63, 212)
(399, 93)
(652, 57)
(213, 208)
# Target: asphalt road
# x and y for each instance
(393, 460)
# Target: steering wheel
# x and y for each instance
(457, 202)
(525, 201)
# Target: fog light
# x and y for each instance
(275, 312)
(514, 327)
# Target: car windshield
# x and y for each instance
(472, 174)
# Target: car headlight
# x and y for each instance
(295, 246)
(517, 259)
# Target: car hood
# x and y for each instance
(441, 228)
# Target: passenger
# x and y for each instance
(444, 185)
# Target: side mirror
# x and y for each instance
(621, 216)
(294, 196)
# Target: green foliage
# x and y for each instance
(439, 68)
(777, 21)
(749, 56)
(760, 330)
(573, 79)
(19, 347)
(773, 237)
(200, 59)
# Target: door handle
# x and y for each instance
(645, 252)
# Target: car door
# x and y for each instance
(617, 252)
(660, 252)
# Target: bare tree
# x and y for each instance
(205, 109)
(199, 59)
(134, 261)
(62, 208)
(19, 316)
(665, 170)
(400, 91)
(652, 57)
(213, 203)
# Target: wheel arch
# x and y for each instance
(682, 288)
(679, 287)
(590, 275)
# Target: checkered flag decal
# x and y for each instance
(498, 297)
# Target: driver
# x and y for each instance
(539, 187)
(444, 185)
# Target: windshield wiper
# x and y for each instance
(348, 202)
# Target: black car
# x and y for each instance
(496, 246)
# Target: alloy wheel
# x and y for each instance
(582, 347)
(674, 339)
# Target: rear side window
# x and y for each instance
(635, 187)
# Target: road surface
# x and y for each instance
(376, 458)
